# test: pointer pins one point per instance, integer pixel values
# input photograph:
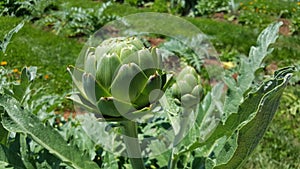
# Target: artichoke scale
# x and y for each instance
(92, 88)
(107, 67)
(128, 82)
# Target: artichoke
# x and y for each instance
(120, 78)
(187, 90)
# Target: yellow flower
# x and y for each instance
(298, 3)
(3, 63)
(46, 77)
(15, 70)
(251, 3)
(228, 65)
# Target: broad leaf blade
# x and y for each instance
(9, 35)
(248, 68)
(255, 103)
(250, 134)
(24, 122)
(3, 131)
(10, 158)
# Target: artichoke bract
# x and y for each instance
(187, 89)
(120, 77)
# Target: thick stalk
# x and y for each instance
(132, 144)
(172, 161)
(184, 125)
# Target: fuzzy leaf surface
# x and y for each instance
(18, 120)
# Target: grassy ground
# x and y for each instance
(33, 46)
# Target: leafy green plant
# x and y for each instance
(77, 21)
(186, 54)
(32, 9)
(24, 95)
(260, 13)
(207, 7)
(8, 36)
(220, 139)
(183, 7)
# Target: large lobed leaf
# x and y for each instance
(18, 120)
(251, 133)
(249, 124)
(248, 68)
(8, 36)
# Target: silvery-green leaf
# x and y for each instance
(21, 121)
(248, 68)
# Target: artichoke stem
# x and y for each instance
(172, 161)
(132, 144)
(184, 125)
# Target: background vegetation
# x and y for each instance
(55, 32)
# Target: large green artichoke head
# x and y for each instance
(120, 77)
(187, 90)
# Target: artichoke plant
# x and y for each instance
(187, 93)
(187, 90)
(120, 78)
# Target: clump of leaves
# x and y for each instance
(77, 21)
(207, 7)
(32, 9)
(226, 133)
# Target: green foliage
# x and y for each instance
(222, 37)
(186, 54)
(69, 21)
(207, 7)
(36, 47)
(33, 9)
(261, 12)
(239, 124)
(280, 145)
(8, 36)
(18, 120)
(77, 21)
(183, 7)
(279, 148)
(248, 67)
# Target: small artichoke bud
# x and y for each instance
(187, 90)
(120, 77)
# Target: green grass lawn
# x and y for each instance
(35, 47)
